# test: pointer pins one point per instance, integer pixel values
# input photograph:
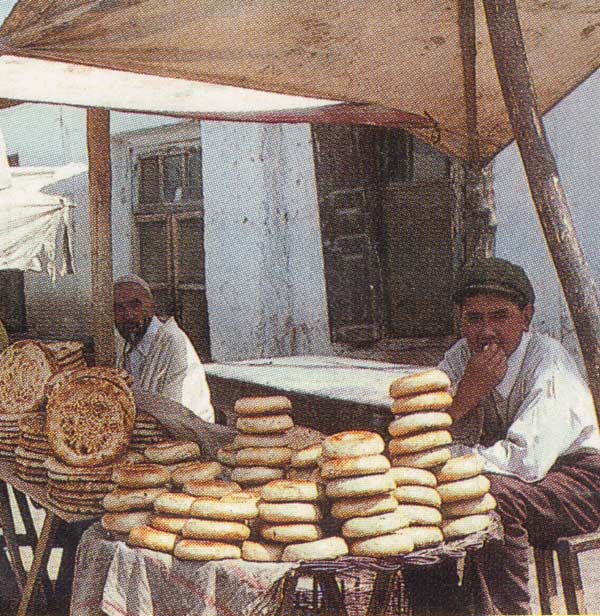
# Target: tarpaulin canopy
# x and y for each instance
(32, 224)
(397, 54)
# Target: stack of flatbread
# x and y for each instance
(147, 431)
(129, 505)
(419, 445)
(25, 368)
(68, 354)
(174, 454)
(33, 448)
(304, 464)
(210, 527)
(90, 417)
(361, 486)
(262, 451)
(464, 491)
(78, 489)
(291, 512)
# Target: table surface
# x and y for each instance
(358, 381)
(37, 493)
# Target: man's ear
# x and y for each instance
(527, 316)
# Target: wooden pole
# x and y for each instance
(98, 145)
(547, 192)
(479, 208)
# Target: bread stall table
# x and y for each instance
(329, 394)
(115, 579)
(49, 538)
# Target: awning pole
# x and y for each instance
(545, 186)
(98, 146)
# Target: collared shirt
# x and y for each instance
(542, 406)
(135, 357)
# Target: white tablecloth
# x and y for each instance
(119, 580)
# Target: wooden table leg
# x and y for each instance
(383, 587)
(10, 536)
(40, 560)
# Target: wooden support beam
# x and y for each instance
(544, 183)
(98, 145)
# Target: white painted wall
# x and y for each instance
(264, 263)
(573, 128)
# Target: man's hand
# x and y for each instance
(483, 373)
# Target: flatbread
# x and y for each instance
(90, 419)
(25, 368)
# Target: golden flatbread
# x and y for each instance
(90, 419)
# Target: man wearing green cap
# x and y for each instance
(521, 403)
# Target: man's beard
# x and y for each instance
(134, 332)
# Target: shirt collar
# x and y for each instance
(514, 363)
(145, 343)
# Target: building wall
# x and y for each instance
(264, 267)
(264, 262)
(574, 133)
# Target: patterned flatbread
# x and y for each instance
(25, 368)
(90, 419)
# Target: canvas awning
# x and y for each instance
(402, 56)
(33, 224)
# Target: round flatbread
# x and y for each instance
(419, 382)
(140, 475)
(418, 495)
(264, 456)
(195, 471)
(419, 442)
(230, 507)
(25, 368)
(323, 549)
(253, 475)
(215, 529)
(421, 515)
(307, 457)
(408, 476)
(464, 489)
(346, 508)
(190, 549)
(433, 401)
(90, 420)
(332, 468)
(383, 545)
(372, 526)
(423, 459)
(147, 537)
(352, 443)
(360, 486)
(290, 491)
(414, 423)
(471, 506)
(287, 513)
(264, 424)
(262, 405)
(423, 536)
(124, 522)
(172, 452)
(291, 533)
(243, 441)
(461, 467)
(211, 489)
(461, 527)
(263, 551)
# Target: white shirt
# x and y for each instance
(542, 404)
(165, 362)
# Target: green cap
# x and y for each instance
(494, 275)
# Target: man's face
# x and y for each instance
(488, 318)
(133, 311)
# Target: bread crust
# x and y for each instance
(420, 382)
(334, 468)
(148, 537)
(262, 405)
(352, 443)
(432, 401)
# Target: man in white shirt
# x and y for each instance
(159, 355)
(520, 401)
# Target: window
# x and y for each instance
(169, 231)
